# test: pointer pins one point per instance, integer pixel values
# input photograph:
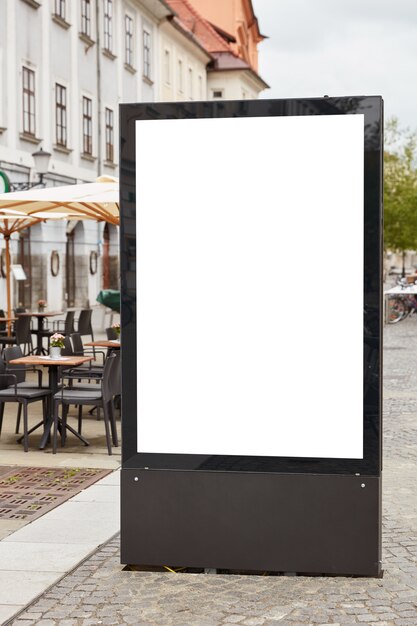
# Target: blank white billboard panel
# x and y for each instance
(250, 286)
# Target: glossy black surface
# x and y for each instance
(267, 522)
(372, 109)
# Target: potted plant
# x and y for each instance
(57, 343)
(116, 328)
(42, 305)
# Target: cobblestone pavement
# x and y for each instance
(99, 592)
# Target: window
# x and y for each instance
(190, 82)
(109, 135)
(86, 17)
(128, 40)
(108, 25)
(146, 54)
(29, 101)
(167, 67)
(60, 115)
(217, 94)
(60, 9)
(180, 77)
(87, 126)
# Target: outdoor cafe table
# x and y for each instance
(53, 365)
(103, 343)
(39, 331)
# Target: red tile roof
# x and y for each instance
(229, 61)
(210, 38)
(189, 19)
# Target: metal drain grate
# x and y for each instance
(28, 492)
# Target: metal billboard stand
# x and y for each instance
(241, 497)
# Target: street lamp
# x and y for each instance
(41, 159)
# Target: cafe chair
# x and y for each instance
(66, 327)
(89, 372)
(67, 350)
(22, 309)
(22, 336)
(70, 373)
(15, 352)
(19, 374)
(23, 395)
(3, 325)
(116, 383)
(111, 334)
(85, 326)
(81, 372)
(59, 326)
(8, 340)
(100, 395)
(46, 331)
(93, 371)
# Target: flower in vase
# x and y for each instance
(116, 328)
(57, 340)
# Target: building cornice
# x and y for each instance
(248, 72)
(157, 8)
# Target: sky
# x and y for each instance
(341, 48)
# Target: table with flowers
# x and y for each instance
(40, 315)
(53, 365)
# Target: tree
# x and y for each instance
(400, 188)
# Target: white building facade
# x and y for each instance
(65, 65)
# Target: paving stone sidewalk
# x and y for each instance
(99, 592)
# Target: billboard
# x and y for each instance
(251, 286)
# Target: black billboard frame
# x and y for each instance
(287, 471)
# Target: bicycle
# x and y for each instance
(401, 305)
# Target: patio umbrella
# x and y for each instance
(87, 201)
(98, 200)
(110, 298)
